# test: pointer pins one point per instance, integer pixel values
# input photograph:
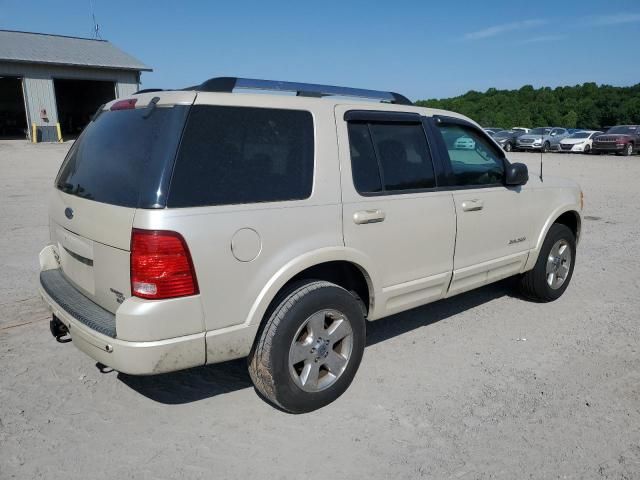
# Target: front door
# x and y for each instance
(392, 211)
(493, 221)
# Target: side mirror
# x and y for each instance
(517, 174)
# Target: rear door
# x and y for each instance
(120, 163)
(392, 210)
(493, 220)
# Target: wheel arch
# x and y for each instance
(568, 215)
(346, 267)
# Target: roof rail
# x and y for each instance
(229, 84)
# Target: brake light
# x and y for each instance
(127, 104)
(161, 265)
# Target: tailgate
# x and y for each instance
(93, 246)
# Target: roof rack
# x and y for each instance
(229, 84)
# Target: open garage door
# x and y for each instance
(78, 100)
(13, 118)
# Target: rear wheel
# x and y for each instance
(310, 347)
(553, 270)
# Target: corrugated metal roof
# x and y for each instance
(61, 50)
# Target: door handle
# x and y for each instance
(368, 216)
(472, 205)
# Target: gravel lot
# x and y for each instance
(485, 385)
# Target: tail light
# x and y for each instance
(161, 265)
(128, 104)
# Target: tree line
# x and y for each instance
(581, 106)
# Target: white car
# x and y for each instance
(196, 226)
(464, 143)
(522, 129)
(579, 141)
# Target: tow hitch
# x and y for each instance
(59, 330)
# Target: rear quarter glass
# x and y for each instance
(238, 155)
(125, 157)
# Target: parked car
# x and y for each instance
(521, 129)
(196, 226)
(580, 141)
(542, 138)
(492, 130)
(621, 139)
(464, 143)
(507, 139)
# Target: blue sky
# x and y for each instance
(423, 49)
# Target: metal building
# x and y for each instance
(51, 85)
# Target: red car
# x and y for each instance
(622, 139)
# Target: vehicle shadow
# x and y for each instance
(211, 380)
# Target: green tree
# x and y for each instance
(583, 106)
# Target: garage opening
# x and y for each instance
(78, 100)
(13, 118)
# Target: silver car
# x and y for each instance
(542, 138)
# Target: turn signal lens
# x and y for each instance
(161, 265)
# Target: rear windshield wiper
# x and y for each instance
(151, 107)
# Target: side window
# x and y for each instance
(390, 157)
(233, 155)
(474, 161)
(364, 165)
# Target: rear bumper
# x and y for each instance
(93, 329)
(135, 358)
(125, 341)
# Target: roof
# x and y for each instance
(60, 50)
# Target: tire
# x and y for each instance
(535, 283)
(628, 150)
(294, 330)
(587, 149)
(508, 147)
(545, 147)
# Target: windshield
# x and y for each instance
(580, 135)
(540, 131)
(124, 157)
(503, 134)
(624, 129)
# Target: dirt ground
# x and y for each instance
(485, 385)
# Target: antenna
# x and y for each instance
(95, 29)
(541, 155)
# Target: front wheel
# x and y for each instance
(553, 270)
(508, 147)
(587, 149)
(310, 347)
(545, 147)
(628, 149)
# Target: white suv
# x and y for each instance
(197, 226)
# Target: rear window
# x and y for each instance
(122, 157)
(234, 155)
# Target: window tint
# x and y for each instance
(364, 165)
(395, 155)
(122, 157)
(232, 155)
(474, 160)
(404, 156)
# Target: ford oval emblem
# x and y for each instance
(68, 212)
